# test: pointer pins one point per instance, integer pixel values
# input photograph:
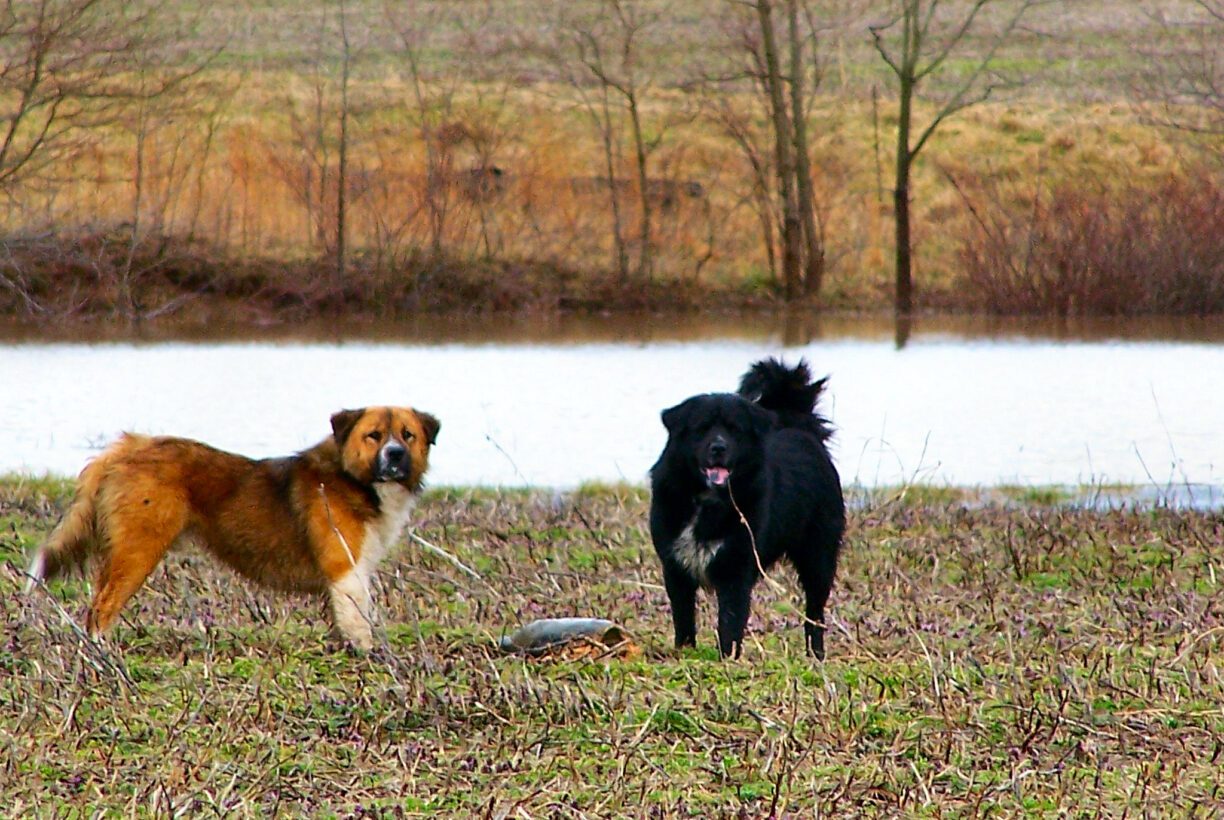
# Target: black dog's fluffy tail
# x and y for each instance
(787, 391)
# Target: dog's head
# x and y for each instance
(385, 443)
(716, 437)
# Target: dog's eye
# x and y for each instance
(408, 435)
(374, 436)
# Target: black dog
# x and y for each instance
(744, 473)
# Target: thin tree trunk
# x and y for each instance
(904, 294)
(814, 246)
(435, 177)
(609, 146)
(645, 256)
(875, 143)
(791, 227)
(342, 158)
(904, 304)
(127, 295)
(765, 212)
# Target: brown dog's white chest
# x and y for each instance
(395, 506)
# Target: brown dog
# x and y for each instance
(316, 522)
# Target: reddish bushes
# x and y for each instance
(1113, 250)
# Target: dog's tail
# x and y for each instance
(75, 538)
(788, 391)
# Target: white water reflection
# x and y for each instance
(942, 410)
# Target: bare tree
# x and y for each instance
(597, 52)
(737, 122)
(433, 101)
(65, 72)
(785, 147)
(73, 72)
(172, 136)
(318, 170)
(782, 63)
(1184, 89)
(814, 253)
(307, 171)
(625, 76)
(916, 41)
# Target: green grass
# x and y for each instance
(1014, 655)
(1078, 50)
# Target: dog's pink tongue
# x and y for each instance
(717, 475)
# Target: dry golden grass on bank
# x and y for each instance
(985, 659)
(253, 191)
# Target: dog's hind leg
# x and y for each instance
(136, 541)
(816, 577)
(121, 574)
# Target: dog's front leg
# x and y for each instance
(734, 599)
(682, 594)
(350, 600)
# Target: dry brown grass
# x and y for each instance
(984, 659)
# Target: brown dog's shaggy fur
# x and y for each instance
(316, 522)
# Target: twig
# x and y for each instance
(1194, 642)
(365, 584)
(513, 465)
(332, 523)
(390, 659)
(441, 553)
(91, 649)
(1178, 464)
(757, 556)
(752, 540)
(642, 584)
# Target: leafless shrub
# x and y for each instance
(107, 270)
(1112, 249)
(71, 67)
(1182, 85)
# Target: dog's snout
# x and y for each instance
(393, 461)
(718, 447)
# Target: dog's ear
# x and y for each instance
(762, 420)
(343, 423)
(431, 425)
(674, 417)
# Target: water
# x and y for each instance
(551, 405)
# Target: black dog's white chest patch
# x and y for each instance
(695, 556)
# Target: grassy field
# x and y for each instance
(1081, 50)
(986, 657)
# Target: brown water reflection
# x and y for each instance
(787, 328)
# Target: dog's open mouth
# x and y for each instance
(717, 476)
(391, 472)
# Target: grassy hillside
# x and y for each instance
(984, 657)
(224, 194)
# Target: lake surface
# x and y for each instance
(963, 402)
